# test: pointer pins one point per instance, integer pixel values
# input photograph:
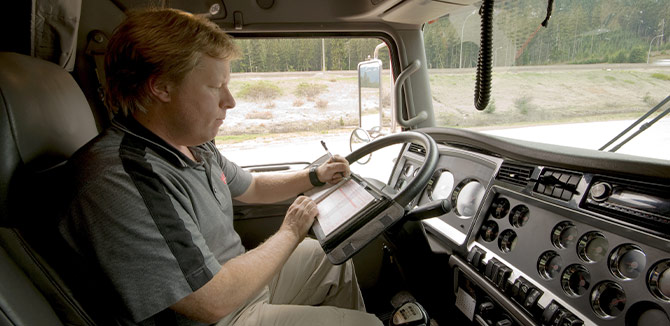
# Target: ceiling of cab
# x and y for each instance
(412, 12)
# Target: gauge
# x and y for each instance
(489, 231)
(646, 313)
(466, 198)
(564, 235)
(408, 170)
(400, 184)
(659, 280)
(608, 299)
(507, 241)
(627, 262)
(519, 216)
(500, 207)
(441, 185)
(549, 265)
(592, 247)
(575, 280)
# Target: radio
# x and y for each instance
(644, 205)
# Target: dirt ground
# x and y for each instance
(533, 94)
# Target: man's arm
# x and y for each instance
(272, 188)
(244, 276)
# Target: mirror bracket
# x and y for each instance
(397, 90)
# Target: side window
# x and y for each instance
(293, 93)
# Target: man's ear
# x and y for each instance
(160, 88)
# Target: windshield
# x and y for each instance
(597, 67)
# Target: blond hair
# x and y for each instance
(161, 43)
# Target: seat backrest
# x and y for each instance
(44, 119)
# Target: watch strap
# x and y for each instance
(313, 178)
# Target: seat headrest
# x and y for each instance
(44, 118)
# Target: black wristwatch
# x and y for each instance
(313, 178)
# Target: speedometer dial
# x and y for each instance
(466, 198)
(441, 189)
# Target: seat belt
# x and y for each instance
(96, 45)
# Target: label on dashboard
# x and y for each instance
(465, 303)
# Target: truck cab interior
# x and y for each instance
(493, 230)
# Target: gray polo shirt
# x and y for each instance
(158, 224)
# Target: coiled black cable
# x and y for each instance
(484, 63)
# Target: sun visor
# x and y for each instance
(53, 31)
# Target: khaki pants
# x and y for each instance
(309, 290)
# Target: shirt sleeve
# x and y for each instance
(237, 179)
(142, 238)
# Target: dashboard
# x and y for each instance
(541, 236)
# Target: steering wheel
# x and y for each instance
(425, 172)
(343, 245)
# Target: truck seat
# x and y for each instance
(44, 119)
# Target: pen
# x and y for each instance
(323, 143)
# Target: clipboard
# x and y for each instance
(352, 213)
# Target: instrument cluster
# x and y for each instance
(551, 241)
(601, 276)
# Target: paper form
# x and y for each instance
(341, 204)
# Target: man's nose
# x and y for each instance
(227, 100)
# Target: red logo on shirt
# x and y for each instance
(223, 178)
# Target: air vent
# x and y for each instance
(418, 149)
(515, 173)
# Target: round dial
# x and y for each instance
(518, 217)
(408, 170)
(608, 300)
(575, 280)
(441, 186)
(489, 231)
(592, 247)
(549, 265)
(627, 262)
(507, 241)
(466, 198)
(564, 235)
(659, 280)
(646, 313)
(500, 207)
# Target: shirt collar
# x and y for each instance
(130, 126)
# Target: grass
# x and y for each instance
(262, 115)
(234, 139)
(259, 91)
(309, 90)
(321, 104)
(483, 120)
(227, 139)
(524, 106)
(660, 76)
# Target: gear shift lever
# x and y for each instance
(409, 314)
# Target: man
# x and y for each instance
(153, 202)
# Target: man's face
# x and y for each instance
(198, 105)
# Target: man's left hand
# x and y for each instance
(333, 170)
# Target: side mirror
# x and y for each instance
(369, 83)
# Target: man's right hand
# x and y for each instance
(300, 216)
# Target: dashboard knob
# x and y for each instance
(600, 191)
(485, 308)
